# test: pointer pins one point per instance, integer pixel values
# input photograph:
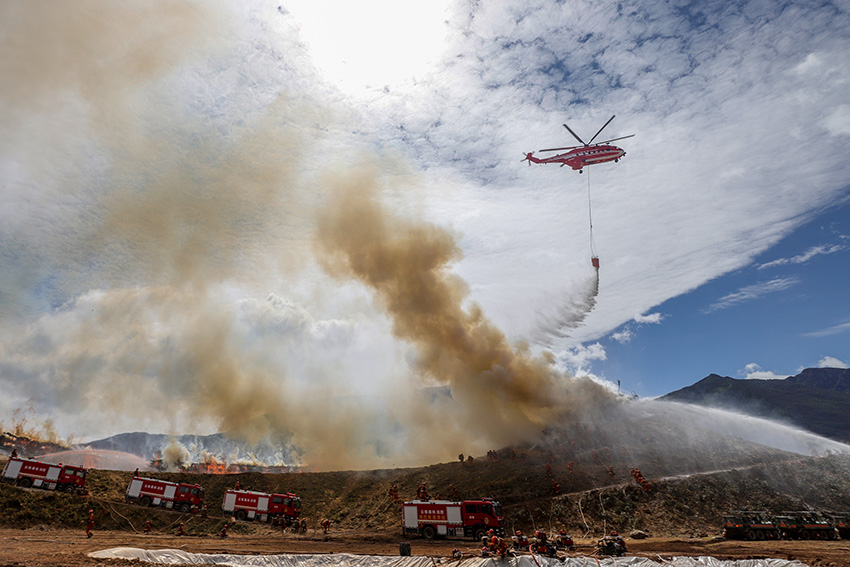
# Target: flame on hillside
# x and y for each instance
(30, 431)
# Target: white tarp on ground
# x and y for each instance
(179, 557)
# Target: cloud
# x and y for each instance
(820, 250)
(623, 336)
(649, 318)
(838, 122)
(753, 371)
(751, 293)
(829, 331)
(832, 362)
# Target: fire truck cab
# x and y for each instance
(250, 505)
(443, 518)
(172, 495)
(27, 473)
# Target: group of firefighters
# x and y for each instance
(636, 474)
(493, 545)
(422, 493)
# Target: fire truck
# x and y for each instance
(470, 518)
(27, 473)
(173, 495)
(250, 505)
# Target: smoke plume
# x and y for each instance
(505, 393)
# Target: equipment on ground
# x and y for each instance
(249, 505)
(805, 524)
(611, 545)
(172, 495)
(28, 473)
(750, 525)
(444, 518)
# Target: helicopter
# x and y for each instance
(580, 156)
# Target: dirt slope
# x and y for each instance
(591, 500)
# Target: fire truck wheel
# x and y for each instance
(25, 482)
(241, 515)
(479, 533)
(70, 488)
(185, 507)
(750, 535)
(145, 501)
(805, 534)
(428, 532)
(760, 534)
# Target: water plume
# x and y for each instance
(569, 313)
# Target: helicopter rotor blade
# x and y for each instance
(615, 139)
(559, 149)
(600, 130)
(574, 135)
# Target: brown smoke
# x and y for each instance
(98, 51)
(505, 393)
(183, 216)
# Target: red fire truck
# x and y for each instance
(250, 505)
(172, 495)
(26, 473)
(470, 518)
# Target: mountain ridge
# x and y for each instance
(816, 399)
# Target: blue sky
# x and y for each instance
(784, 312)
(165, 179)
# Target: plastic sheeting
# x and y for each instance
(179, 557)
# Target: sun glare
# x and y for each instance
(372, 43)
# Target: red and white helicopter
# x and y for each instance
(580, 156)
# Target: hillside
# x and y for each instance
(675, 506)
(817, 399)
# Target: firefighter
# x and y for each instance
(619, 539)
(90, 524)
(455, 495)
(457, 554)
(485, 546)
(14, 452)
(326, 524)
(502, 548)
(303, 526)
(460, 458)
(180, 530)
(147, 528)
(223, 532)
(549, 470)
(136, 472)
(521, 540)
(611, 471)
(237, 485)
(204, 511)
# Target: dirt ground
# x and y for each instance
(63, 548)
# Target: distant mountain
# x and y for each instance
(816, 399)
